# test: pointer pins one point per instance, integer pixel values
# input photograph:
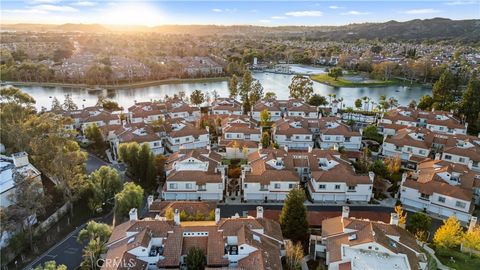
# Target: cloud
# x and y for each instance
(217, 10)
(43, 1)
(55, 8)
(85, 4)
(421, 11)
(265, 21)
(355, 13)
(24, 11)
(335, 7)
(278, 17)
(305, 13)
(460, 2)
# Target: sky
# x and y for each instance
(267, 13)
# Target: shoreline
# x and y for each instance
(324, 79)
(117, 86)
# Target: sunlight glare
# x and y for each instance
(133, 14)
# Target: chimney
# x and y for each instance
(473, 224)
(404, 177)
(209, 148)
(259, 212)
(20, 159)
(371, 175)
(217, 215)
(345, 211)
(394, 219)
(133, 214)
(335, 147)
(260, 146)
(285, 148)
(149, 201)
(310, 149)
(438, 156)
(176, 217)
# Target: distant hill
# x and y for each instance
(415, 30)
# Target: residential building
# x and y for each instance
(146, 112)
(226, 106)
(298, 108)
(350, 243)
(139, 133)
(293, 133)
(463, 150)
(182, 134)
(179, 109)
(408, 143)
(236, 242)
(331, 132)
(101, 118)
(194, 175)
(11, 167)
(441, 188)
(239, 138)
(272, 106)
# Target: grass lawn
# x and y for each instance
(463, 261)
(343, 82)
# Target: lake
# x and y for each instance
(272, 82)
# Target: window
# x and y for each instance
(448, 157)
(187, 139)
(409, 149)
(327, 138)
(351, 188)
(337, 186)
(441, 199)
(460, 204)
(177, 140)
(462, 160)
(297, 137)
(188, 186)
(229, 135)
(307, 137)
(292, 186)
(220, 186)
(422, 152)
(245, 186)
(277, 186)
(322, 186)
(424, 196)
(155, 144)
(173, 186)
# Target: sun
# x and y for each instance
(133, 14)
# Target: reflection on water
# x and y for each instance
(277, 83)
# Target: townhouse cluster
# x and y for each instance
(443, 161)
(227, 243)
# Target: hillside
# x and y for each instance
(415, 30)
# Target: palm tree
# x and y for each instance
(341, 102)
(392, 102)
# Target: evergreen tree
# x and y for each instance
(56, 105)
(93, 133)
(233, 86)
(317, 100)
(130, 197)
(197, 97)
(264, 118)
(256, 93)
(105, 183)
(425, 103)
(195, 259)
(293, 218)
(470, 104)
(245, 89)
(68, 104)
(443, 91)
(270, 96)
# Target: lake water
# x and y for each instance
(271, 82)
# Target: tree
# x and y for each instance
(358, 103)
(30, 202)
(420, 223)
(442, 91)
(301, 87)
(147, 170)
(160, 166)
(257, 92)
(293, 218)
(93, 133)
(195, 259)
(197, 97)
(317, 100)
(128, 153)
(51, 265)
(335, 73)
(130, 197)
(470, 103)
(265, 139)
(264, 118)
(105, 183)
(425, 103)
(68, 104)
(371, 133)
(111, 105)
(270, 96)
(245, 88)
(449, 235)
(471, 239)
(393, 164)
(293, 255)
(402, 217)
(233, 86)
(94, 230)
(56, 105)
